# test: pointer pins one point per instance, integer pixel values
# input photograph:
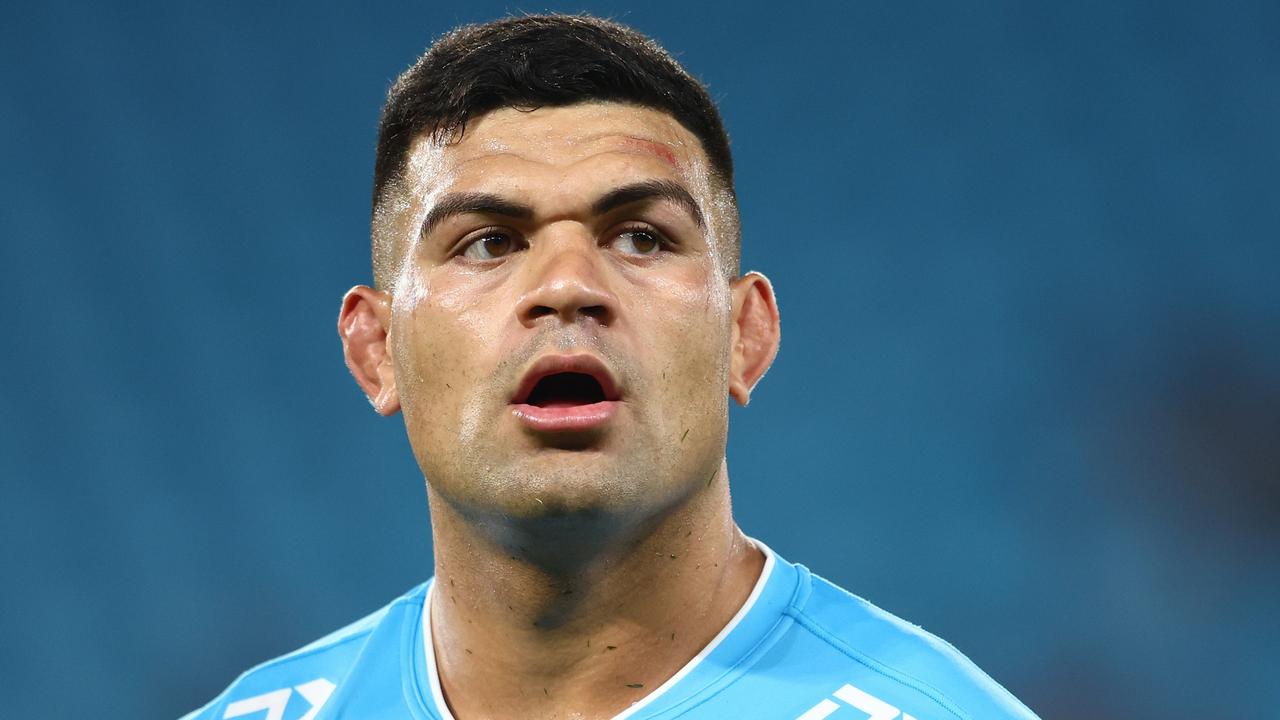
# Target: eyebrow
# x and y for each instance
(650, 190)
(464, 203)
(473, 202)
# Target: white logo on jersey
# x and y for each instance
(874, 707)
(316, 693)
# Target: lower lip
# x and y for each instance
(566, 418)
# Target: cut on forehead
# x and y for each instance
(658, 149)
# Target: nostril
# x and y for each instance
(538, 311)
(597, 312)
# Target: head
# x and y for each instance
(557, 308)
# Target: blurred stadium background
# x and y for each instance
(1028, 396)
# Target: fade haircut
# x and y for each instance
(539, 61)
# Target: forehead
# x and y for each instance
(556, 144)
(553, 159)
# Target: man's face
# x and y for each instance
(561, 321)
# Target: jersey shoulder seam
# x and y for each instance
(920, 686)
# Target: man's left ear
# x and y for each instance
(756, 334)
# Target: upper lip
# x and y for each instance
(555, 364)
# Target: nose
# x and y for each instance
(567, 283)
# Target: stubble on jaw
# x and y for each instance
(556, 507)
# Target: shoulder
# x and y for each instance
(310, 673)
(895, 663)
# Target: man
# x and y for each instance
(558, 313)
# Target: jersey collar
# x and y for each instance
(729, 654)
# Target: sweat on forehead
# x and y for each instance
(531, 153)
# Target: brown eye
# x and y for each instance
(489, 247)
(637, 242)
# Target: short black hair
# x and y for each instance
(536, 61)
(540, 61)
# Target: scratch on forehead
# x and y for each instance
(652, 147)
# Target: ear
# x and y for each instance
(363, 324)
(756, 334)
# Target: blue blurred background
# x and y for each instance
(1028, 395)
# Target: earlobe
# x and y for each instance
(756, 334)
(363, 324)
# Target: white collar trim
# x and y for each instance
(433, 673)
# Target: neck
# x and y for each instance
(517, 635)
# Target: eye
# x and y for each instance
(637, 242)
(489, 246)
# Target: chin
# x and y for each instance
(582, 485)
(555, 484)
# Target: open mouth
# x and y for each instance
(567, 393)
(566, 389)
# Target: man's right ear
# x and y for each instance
(363, 324)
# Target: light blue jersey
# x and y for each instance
(799, 649)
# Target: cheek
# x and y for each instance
(691, 338)
(466, 310)
(446, 321)
(439, 348)
(694, 304)
(444, 396)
